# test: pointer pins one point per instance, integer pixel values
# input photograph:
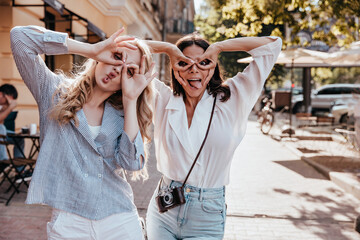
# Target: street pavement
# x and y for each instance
(272, 195)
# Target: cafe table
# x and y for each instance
(35, 143)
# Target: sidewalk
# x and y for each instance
(332, 154)
(273, 194)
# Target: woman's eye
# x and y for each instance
(118, 56)
(130, 72)
(204, 62)
(182, 64)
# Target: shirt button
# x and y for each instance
(60, 39)
(100, 158)
(86, 175)
(99, 175)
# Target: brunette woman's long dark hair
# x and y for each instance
(215, 85)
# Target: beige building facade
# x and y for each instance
(88, 21)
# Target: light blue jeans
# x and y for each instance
(17, 151)
(201, 217)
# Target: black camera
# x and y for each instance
(169, 198)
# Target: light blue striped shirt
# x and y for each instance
(74, 172)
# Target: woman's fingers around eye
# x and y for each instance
(151, 68)
(123, 38)
(182, 63)
(179, 78)
(150, 71)
(210, 75)
(181, 66)
(118, 56)
(124, 72)
(206, 64)
(117, 33)
(142, 65)
(127, 45)
(151, 77)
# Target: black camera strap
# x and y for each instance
(203, 143)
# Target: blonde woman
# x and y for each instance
(91, 127)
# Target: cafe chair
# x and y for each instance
(16, 171)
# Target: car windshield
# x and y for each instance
(295, 90)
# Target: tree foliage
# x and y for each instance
(330, 21)
(326, 22)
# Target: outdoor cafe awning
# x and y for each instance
(301, 57)
(348, 57)
(64, 17)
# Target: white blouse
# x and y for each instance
(176, 145)
(94, 131)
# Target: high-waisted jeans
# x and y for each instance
(201, 217)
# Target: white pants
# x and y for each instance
(65, 225)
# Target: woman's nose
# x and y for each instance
(194, 69)
(117, 69)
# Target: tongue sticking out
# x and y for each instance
(195, 84)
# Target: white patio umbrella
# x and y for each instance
(345, 58)
(298, 57)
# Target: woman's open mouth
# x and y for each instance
(195, 83)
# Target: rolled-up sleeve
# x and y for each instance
(128, 154)
(246, 86)
(27, 43)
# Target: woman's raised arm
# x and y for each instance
(245, 44)
(246, 86)
(27, 43)
(102, 51)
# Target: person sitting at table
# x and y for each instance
(92, 128)
(8, 96)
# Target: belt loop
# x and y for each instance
(201, 195)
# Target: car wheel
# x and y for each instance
(267, 123)
(343, 120)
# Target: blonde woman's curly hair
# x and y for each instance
(71, 96)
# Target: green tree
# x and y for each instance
(333, 22)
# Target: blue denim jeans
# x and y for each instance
(17, 152)
(201, 217)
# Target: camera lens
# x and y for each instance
(168, 198)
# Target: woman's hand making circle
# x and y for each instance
(104, 51)
(134, 83)
(183, 82)
(208, 59)
(178, 61)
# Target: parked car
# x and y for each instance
(295, 90)
(324, 98)
(343, 111)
